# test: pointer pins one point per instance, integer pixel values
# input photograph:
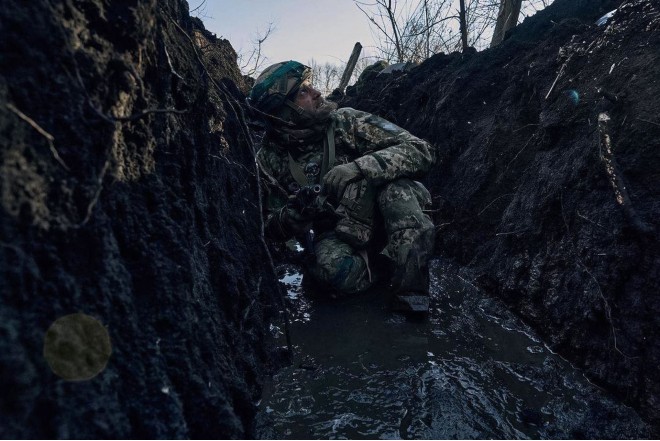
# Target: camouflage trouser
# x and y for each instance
(410, 237)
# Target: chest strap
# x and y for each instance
(297, 172)
(328, 150)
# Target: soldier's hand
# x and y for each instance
(295, 222)
(336, 180)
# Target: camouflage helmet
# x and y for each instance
(277, 84)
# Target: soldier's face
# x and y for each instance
(308, 98)
(314, 105)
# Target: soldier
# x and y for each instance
(368, 220)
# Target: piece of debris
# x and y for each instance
(604, 19)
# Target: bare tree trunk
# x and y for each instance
(427, 24)
(463, 25)
(506, 19)
(395, 30)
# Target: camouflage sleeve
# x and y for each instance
(387, 151)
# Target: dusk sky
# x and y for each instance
(324, 30)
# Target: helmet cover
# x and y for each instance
(277, 83)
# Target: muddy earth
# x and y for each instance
(128, 193)
(548, 216)
(473, 370)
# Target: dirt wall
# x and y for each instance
(128, 193)
(529, 195)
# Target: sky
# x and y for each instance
(323, 30)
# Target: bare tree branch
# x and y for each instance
(255, 60)
(202, 4)
(413, 30)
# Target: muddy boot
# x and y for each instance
(413, 303)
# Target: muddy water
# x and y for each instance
(471, 370)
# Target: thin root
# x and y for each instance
(41, 131)
(97, 194)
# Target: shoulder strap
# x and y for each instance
(328, 150)
(297, 171)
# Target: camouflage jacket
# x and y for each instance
(383, 152)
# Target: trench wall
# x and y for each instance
(128, 193)
(529, 196)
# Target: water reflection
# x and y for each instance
(472, 370)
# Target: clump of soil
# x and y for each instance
(548, 183)
(128, 193)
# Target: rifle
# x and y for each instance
(309, 200)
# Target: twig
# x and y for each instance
(362, 364)
(647, 121)
(588, 220)
(41, 131)
(249, 307)
(493, 201)
(136, 116)
(519, 152)
(198, 7)
(97, 194)
(608, 310)
(512, 232)
(16, 249)
(561, 71)
(524, 127)
(169, 61)
(30, 121)
(457, 275)
(563, 216)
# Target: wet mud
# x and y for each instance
(471, 370)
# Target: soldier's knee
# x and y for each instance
(339, 267)
(395, 191)
(401, 204)
(346, 275)
(404, 191)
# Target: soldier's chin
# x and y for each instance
(324, 109)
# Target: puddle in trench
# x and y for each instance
(471, 370)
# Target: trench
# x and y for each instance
(472, 369)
